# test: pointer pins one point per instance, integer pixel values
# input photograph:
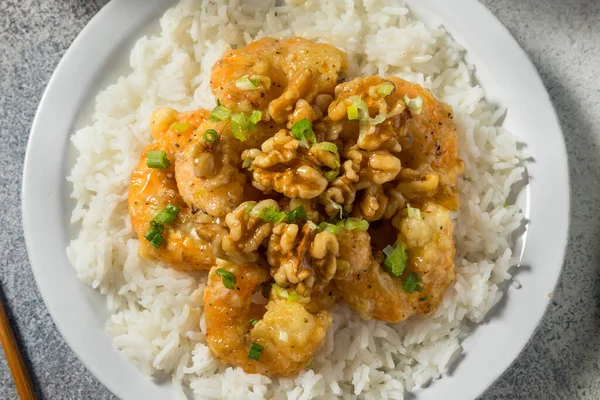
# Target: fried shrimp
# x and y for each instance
(188, 239)
(375, 293)
(272, 75)
(406, 119)
(431, 144)
(277, 342)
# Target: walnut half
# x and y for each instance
(281, 165)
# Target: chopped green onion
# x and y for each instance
(298, 213)
(220, 113)
(424, 298)
(153, 235)
(352, 112)
(330, 147)
(228, 277)
(294, 297)
(411, 283)
(255, 351)
(361, 106)
(413, 212)
(363, 112)
(271, 214)
(253, 321)
(311, 225)
(331, 175)
(386, 88)
(247, 83)
(157, 159)
(352, 224)
(249, 207)
(415, 105)
(302, 130)
(241, 119)
(180, 126)
(237, 131)
(247, 164)
(326, 226)
(211, 135)
(395, 258)
(255, 117)
(167, 214)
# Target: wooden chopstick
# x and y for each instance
(14, 359)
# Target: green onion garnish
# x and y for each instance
(302, 130)
(294, 297)
(411, 283)
(167, 214)
(255, 117)
(237, 131)
(157, 159)
(331, 175)
(228, 277)
(386, 88)
(247, 164)
(220, 113)
(180, 126)
(326, 226)
(253, 321)
(330, 147)
(153, 235)
(413, 212)
(211, 135)
(395, 258)
(424, 298)
(255, 351)
(271, 214)
(298, 213)
(352, 224)
(247, 83)
(352, 112)
(415, 105)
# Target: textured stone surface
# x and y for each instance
(562, 37)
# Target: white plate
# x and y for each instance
(100, 53)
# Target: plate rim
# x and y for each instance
(28, 193)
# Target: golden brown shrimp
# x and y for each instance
(283, 71)
(188, 240)
(409, 121)
(431, 145)
(209, 169)
(288, 334)
(376, 294)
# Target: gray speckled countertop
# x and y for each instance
(562, 37)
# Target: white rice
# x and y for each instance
(156, 312)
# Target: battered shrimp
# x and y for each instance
(283, 72)
(431, 145)
(409, 121)
(288, 333)
(188, 239)
(376, 294)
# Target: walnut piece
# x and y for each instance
(288, 254)
(287, 168)
(325, 250)
(247, 231)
